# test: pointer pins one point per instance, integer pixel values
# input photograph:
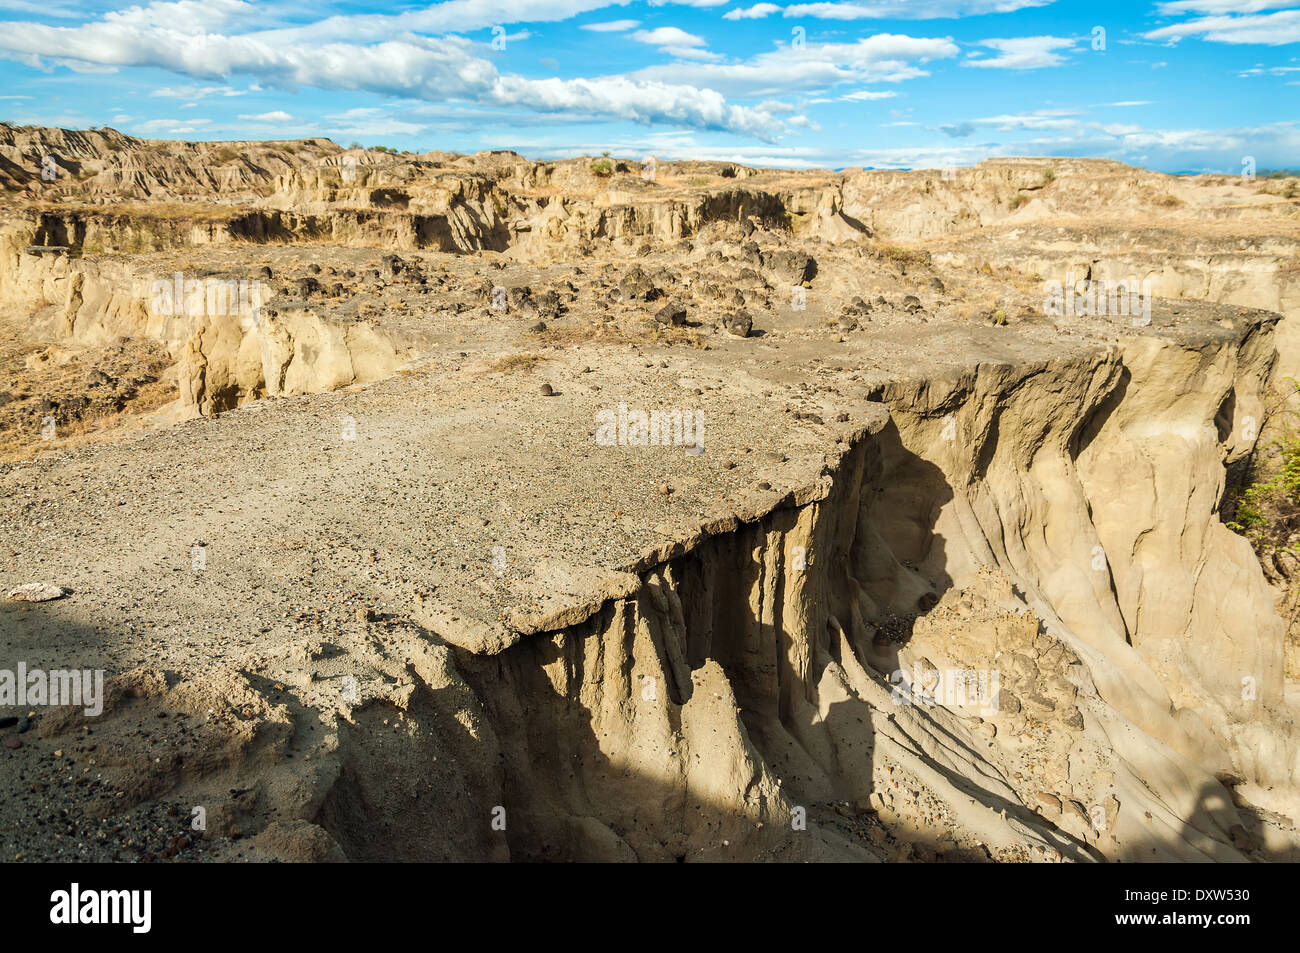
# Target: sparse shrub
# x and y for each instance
(1017, 201)
(1265, 506)
(902, 256)
(524, 361)
(602, 168)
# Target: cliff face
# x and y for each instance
(948, 577)
(751, 676)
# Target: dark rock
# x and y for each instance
(739, 323)
(672, 314)
(791, 266)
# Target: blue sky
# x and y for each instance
(1185, 85)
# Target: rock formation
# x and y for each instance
(310, 441)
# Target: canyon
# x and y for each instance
(308, 438)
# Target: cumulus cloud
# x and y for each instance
(885, 9)
(885, 57)
(1268, 29)
(1023, 52)
(450, 16)
(757, 12)
(676, 43)
(437, 69)
(668, 36)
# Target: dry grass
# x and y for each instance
(86, 414)
(572, 335)
(510, 363)
(900, 255)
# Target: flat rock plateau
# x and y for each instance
(446, 507)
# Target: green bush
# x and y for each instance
(1266, 507)
(602, 167)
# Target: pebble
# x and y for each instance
(13, 742)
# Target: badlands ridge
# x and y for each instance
(340, 458)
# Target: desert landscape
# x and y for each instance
(472, 507)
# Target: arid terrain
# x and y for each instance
(338, 460)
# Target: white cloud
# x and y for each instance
(869, 94)
(677, 43)
(1269, 70)
(668, 36)
(757, 12)
(691, 53)
(436, 69)
(175, 127)
(885, 57)
(1024, 52)
(612, 26)
(1177, 7)
(1038, 119)
(196, 92)
(885, 9)
(278, 115)
(1268, 29)
(39, 8)
(450, 16)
